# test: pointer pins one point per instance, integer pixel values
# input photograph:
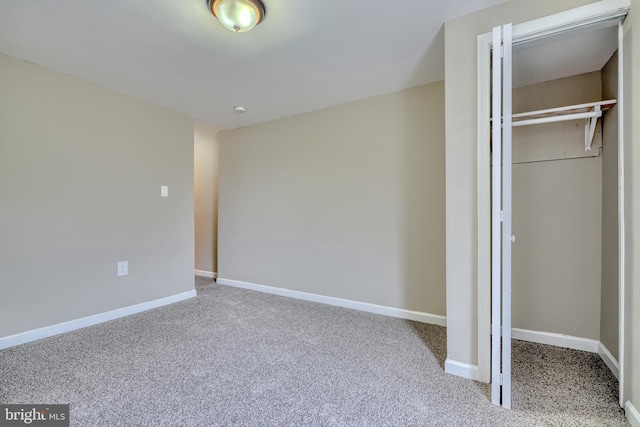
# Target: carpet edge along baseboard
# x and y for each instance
(400, 313)
(83, 322)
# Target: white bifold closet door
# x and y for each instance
(501, 238)
(596, 15)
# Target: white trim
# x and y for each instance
(496, 219)
(460, 369)
(507, 196)
(484, 214)
(621, 219)
(340, 302)
(558, 340)
(208, 274)
(83, 322)
(632, 414)
(609, 360)
(595, 13)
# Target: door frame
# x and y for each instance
(589, 15)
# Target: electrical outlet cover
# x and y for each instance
(123, 268)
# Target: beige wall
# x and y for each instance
(345, 202)
(556, 257)
(461, 163)
(609, 293)
(80, 175)
(632, 202)
(206, 197)
(557, 204)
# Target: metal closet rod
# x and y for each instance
(590, 111)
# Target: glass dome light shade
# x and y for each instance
(238, 15)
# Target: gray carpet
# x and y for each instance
(237, 357)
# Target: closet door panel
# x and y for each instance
(501, 217)
(496, 221)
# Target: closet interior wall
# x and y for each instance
(557, 214)
(565, 258)
(609, 307)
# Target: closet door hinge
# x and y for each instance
(501, 379)
(501, 216)
(501, 51)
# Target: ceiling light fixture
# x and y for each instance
(238, 15)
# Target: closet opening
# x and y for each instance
(565, 209)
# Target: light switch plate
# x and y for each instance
(164, 191)
(123, 268)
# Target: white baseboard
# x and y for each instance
(632, 414)
(558, 340)
(460, 369)
(204, 273)
(340, 302)
(71, 325)
(609, 360)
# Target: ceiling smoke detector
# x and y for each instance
(239, 109)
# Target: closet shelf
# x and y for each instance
(590, 112)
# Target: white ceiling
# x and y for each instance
(306, 55)
(568, 54)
